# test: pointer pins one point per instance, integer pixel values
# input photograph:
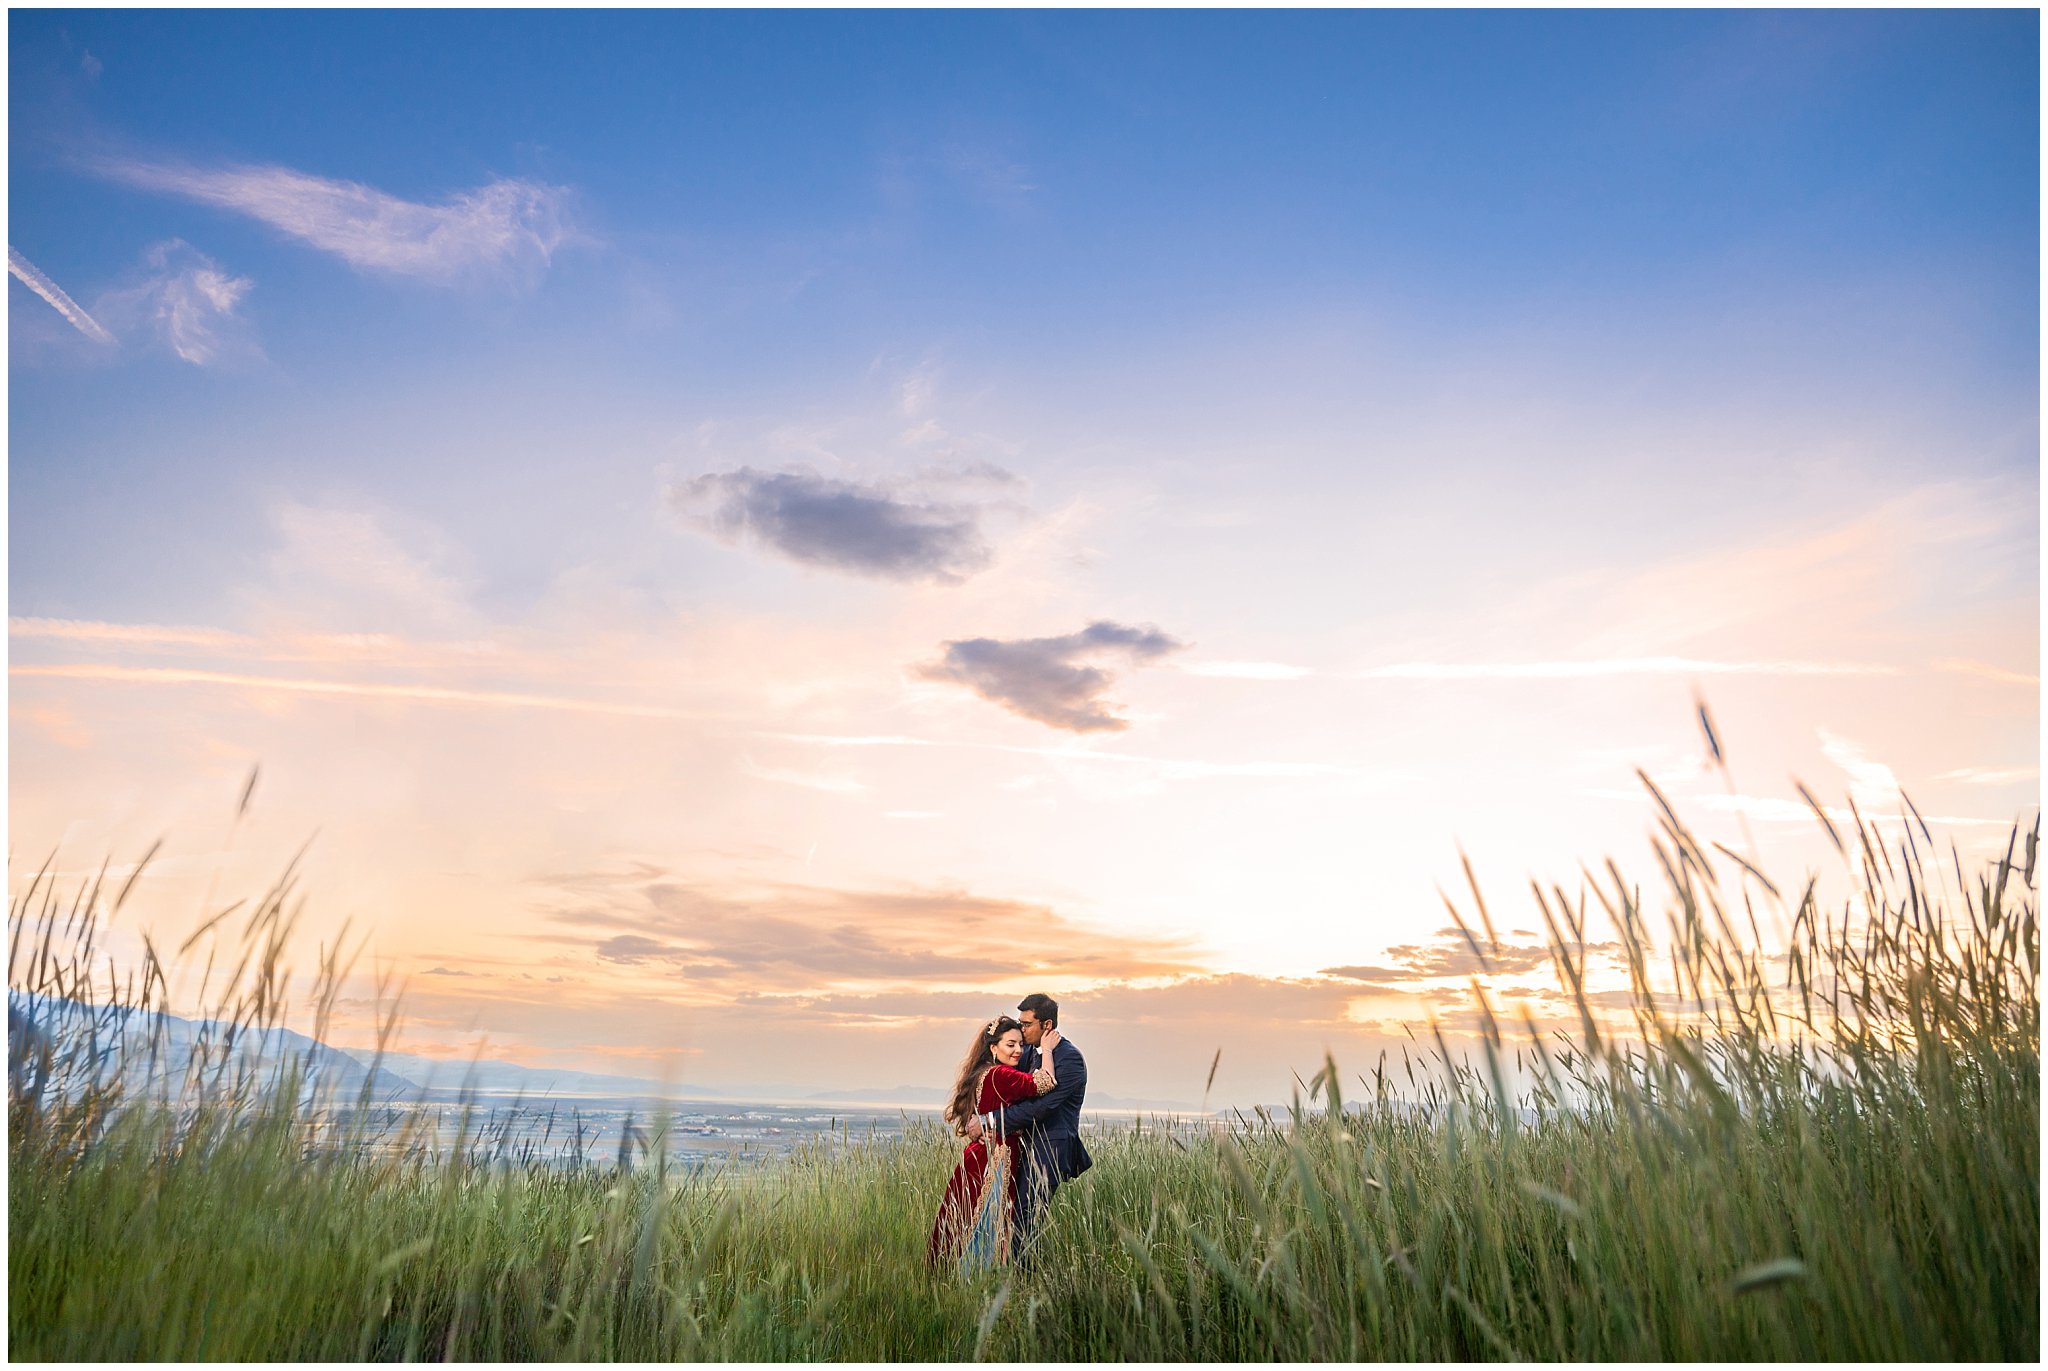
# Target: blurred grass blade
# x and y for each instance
(1767, 1274)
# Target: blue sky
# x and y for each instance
(770, 201)
(736, 368)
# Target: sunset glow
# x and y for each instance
(749, 542)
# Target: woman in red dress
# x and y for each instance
(980, 1204)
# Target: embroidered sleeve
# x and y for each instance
(1042, 1079)
(1007, 1085)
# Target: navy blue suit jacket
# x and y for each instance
(1054, 1118)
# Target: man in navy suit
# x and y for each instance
(1050, 1149)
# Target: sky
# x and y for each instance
(740, 544)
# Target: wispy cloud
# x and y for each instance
(1165, 768)
(1796, 811)
(1041, 678)
(1248, 671)
(1871, 783)
(869, 530)
(306, 649)
(1596, 666)
(161, 675)
(126, 635)
(189, 304)
(1986, 775)
(1563, 670)
(1196, 770)
(1772, 809)
(504, 225)
(834, 785)
(1987, 671)
(1614, 666)
(31, 276)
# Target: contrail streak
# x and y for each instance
(1612, 666)
(1172, 769)
(1987, 671)
(1568, 670)
(163, 675)
(31, 276)
(154, 635)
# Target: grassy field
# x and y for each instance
(1830, 1153)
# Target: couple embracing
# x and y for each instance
(1017, 1100)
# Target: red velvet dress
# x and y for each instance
(1000, 1085)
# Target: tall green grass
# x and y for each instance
(1821, 1145)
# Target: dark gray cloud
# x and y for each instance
(1044, 678)
(869, 530)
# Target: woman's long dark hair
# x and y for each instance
(980, 1056)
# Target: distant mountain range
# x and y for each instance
(143, 1047)
(124, 1035)
(507, 1078)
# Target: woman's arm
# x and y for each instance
(1008, 1085)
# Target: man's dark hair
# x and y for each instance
(1045, 1007)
